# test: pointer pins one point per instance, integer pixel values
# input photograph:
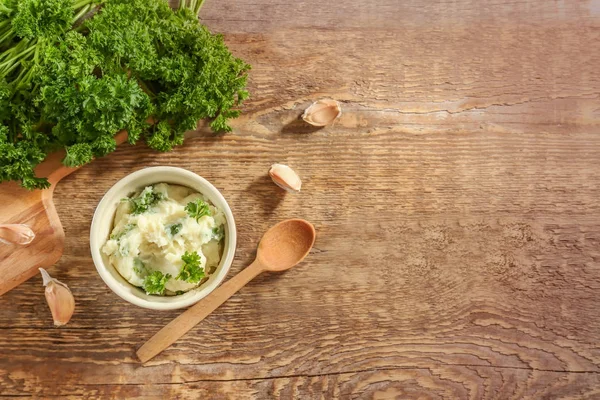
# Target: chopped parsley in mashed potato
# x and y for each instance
(166, 239)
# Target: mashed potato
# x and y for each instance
(166, 239)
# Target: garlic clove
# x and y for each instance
(19, 234)
(322, 112)
(285, 177)
(59, 298)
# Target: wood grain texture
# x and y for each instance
(455, 201)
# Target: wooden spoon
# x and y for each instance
(282, 247)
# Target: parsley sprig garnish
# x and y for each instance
(174, 229)
(154, 283)
(145, 200)
(197, 209)
(191, 271)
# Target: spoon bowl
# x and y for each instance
(285, 244)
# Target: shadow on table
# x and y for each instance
(298, 126)
(266, 194)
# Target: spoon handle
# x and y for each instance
(196, 313)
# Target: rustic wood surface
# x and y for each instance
(456, 204)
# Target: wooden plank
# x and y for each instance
(389, 15)
(456, 204)
(433, 382)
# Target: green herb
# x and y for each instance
(154, 283)
(27, 29)
(179, 292)
(218, 233)
(134, 64)
(191, 271)
(197, 209)
(36, 18)
(123, 232)
(147, 199)
(174, 229)
(123, 249)
(139, 267)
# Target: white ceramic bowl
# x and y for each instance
(102, 224)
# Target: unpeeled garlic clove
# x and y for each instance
(285, 177)
(322, 112)
(19, 234)
(59, 298)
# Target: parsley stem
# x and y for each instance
(18, 56)
(81, 4)
(193, 4)
(37, 50)
(81, 13)
(145, 88)
(8, 66)
(198, 7)
(19, 78)
(7, 35)
(5, 29)
(28, 75)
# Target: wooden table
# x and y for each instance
(456, 201)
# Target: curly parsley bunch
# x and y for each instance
(73, 83)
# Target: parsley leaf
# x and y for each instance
(218, 233)
(48, 18)
(197, 209)
(139, 267)
(191, 271)
(123, 232)
(174, 229)
(154, 283)
(78, 154)
(147, 199)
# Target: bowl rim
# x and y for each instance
(115, 286)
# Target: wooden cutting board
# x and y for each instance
(35, 209)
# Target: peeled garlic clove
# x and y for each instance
(59, 298)
(322, 112)
(19, 234)
(285, 177)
